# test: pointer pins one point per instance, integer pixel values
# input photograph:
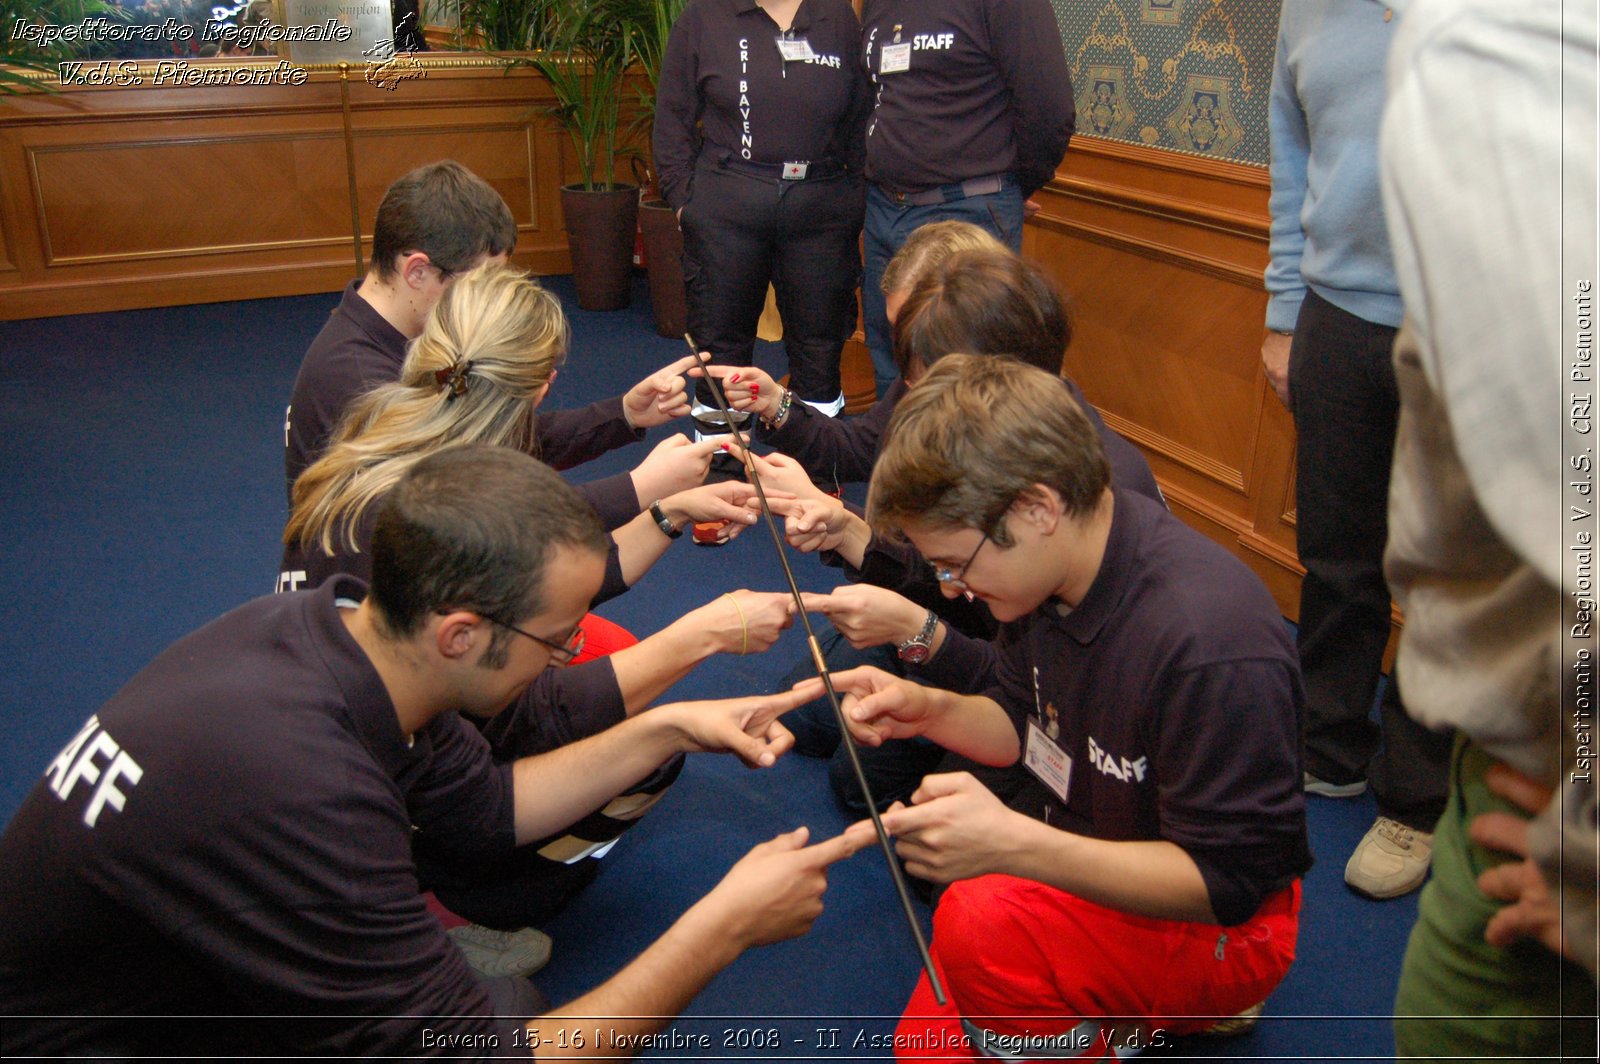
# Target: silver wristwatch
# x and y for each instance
(918, 648)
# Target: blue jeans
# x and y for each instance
(887, 226)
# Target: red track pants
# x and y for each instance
(1020, 958)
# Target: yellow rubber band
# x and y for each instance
(744, 628)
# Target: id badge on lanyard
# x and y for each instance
(795, 50)
(1043, 756)
(894, 58)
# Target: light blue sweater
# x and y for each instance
(1327, 213)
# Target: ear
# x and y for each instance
(1038, 507)
(455, 634)
(416, 269)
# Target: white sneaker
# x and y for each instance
(502, 953)
(1324, 789)
(1390, 860)
(831, 408)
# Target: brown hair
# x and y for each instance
(474, 527)
(445, 211)
(972, 436)
(982, 303)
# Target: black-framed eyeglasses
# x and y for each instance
(957, 578)
(561, 653)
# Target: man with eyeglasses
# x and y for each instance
(1149, 870)
(220, 862)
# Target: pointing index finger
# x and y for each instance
(681, 366)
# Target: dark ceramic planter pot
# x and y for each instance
(663, 248)
(600, 231)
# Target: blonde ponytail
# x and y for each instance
(484, 358)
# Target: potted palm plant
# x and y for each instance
(504, 25)
(663, 240)
(589, 48)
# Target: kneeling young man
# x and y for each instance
(220, 862)
(1149, 871)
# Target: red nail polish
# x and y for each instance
(733, 379)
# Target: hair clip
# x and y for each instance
(454, 377)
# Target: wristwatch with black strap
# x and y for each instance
(666, 526)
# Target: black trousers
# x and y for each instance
(1346, 410)
(741, 232)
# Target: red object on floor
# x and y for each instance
(709, 533)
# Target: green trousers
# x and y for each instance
(1459, 997)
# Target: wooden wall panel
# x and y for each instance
(238, 193)
(1161, 255)
(115, 198)
(6, 265)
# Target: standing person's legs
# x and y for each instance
(727, 263)
(817, 273)
(889, 223)
(881, 238)
(1346, 408)
(1346, 428)
(1410, 776)
(1461, 998)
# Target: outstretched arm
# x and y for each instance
(641, 542)
(739, 622)
(555, 789)
(773, 893)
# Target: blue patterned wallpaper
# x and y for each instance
(1187, 75)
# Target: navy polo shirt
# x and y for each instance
(231, 836)
(726, 90)
(986, 91)
(1175, 690)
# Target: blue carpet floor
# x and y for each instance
(144, 495)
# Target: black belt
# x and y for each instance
(798, 170)
(972, 186)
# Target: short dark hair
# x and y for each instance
(983, 303)
(445, 211)
(473, 527)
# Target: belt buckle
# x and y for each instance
(795, 171)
